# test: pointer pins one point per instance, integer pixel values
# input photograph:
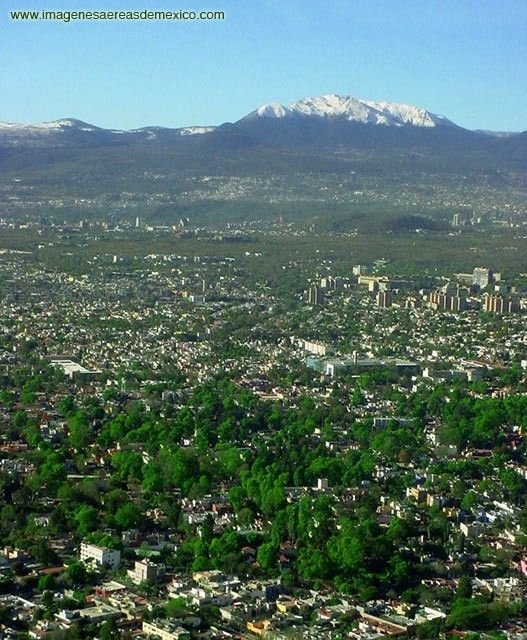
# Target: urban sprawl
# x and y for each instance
(241, 434)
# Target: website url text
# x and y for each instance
(71, 16)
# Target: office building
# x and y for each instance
(482, 277)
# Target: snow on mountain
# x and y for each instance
(407, 114)
(272, 110)
(327, 107)
(497, 134)
(61, 125)
(71, 131)
(43, 127)
(353, 110)
(152, 133)
(193, 131)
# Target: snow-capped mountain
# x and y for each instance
(330, 121)
(41, 134)
(43, 127)
(68, 131)
(66, 124)
(353, 110)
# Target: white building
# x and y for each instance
(100, 556)
(165, 629)
(143, 570)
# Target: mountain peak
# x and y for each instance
(353, 110)
(272, 110)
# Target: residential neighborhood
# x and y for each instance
(191, 449)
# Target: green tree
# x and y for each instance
(76, 573)
(87, 519)
(176, 607)
(464, 589)
(66, 406)
(80, 434)
(109, 631)
(46, 583)
(267, 556)
(128, 516)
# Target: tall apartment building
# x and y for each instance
(330, 283)
(315, 295)
(384, 299)
(498, 304)
(317, 348)
(442, 302)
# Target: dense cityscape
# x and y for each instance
(256, 430)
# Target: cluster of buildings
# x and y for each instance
(125, 326)
(481, 289)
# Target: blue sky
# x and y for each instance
(463, 59)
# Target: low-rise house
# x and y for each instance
(165, 629)
(100, 613)
(259, 627)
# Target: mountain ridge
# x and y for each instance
(329, 107)
(316, 161)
